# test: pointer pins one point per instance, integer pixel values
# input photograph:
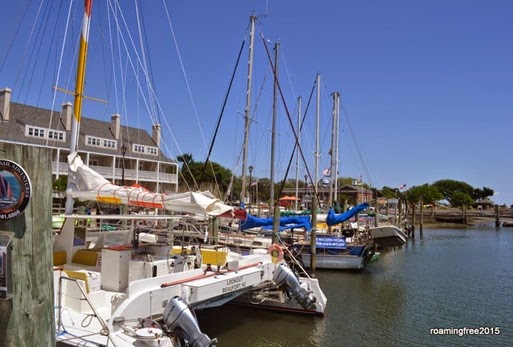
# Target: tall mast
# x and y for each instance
(299, 111)
(334, 151)
(334, 172)
(273, 131)
(247, 110)
(318, 118)
(79, 87)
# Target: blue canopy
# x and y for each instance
(285, 222)
(333, 218)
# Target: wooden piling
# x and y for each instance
(421, 226)
(27, 317)
(413, 221)
(497, 216)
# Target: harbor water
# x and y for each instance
(459, 280)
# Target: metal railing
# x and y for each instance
(105, 329)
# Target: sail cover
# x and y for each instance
(285, 222)
(333, 219)
(86, 184)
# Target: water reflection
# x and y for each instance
(448, 278)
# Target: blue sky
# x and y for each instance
(426, 86)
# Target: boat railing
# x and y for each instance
(105, 331)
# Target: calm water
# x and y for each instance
(449, 278)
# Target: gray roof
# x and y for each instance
(21, 115)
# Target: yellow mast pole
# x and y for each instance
(81, 68)
(79, 88)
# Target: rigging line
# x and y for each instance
(285, 106)
(188, 167)
(184, 73)
(296, 143)
(288, 75)
(47, 60)
(138, 60)
(57, 78)
(137, 78)
(327, 125)
(158, 115)
(11, 43)
(143, 53)
(28, 41)
(35, 52)
(222, 109)
(365, 168)
(111, 44)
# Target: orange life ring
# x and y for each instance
(276, 252)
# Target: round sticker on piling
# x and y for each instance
(15, 189)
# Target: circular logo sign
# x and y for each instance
(15, 189)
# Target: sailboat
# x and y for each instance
(333, 251)
(129, 292)
(6, 196)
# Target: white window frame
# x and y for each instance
(100, 142)
(45, 133)
(150, 150)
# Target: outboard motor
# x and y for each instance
(178, 315)
(285, 276)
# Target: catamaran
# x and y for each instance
(131, 292)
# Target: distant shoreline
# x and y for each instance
(455, 217)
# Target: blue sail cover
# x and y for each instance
(333, 219)
(285, 222)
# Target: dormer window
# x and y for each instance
(100, 142)
(43, 133)
(145, 149)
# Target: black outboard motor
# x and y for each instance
(285, 276)
(178, 315)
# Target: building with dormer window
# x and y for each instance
(123, 155)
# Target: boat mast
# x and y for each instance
(334, 172)
(313, 234)
(247, 110)
(317, 155)
(79, 88)
(275, 208)
(273, 131)
(297, 150)
(334, 152)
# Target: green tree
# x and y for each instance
(196, 175)
(448, 187)
(59, 185)
(345, 181)
(429, 194)
(389, 193)
(482, 193)
(459, 199)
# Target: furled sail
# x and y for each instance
(285, 222)
(333, 219)
(86, 184)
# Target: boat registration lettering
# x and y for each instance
(234, 284)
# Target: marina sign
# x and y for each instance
(15, 189)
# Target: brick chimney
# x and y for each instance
(155, 134)
(115, 125)
(5, 103)
(66, 114)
